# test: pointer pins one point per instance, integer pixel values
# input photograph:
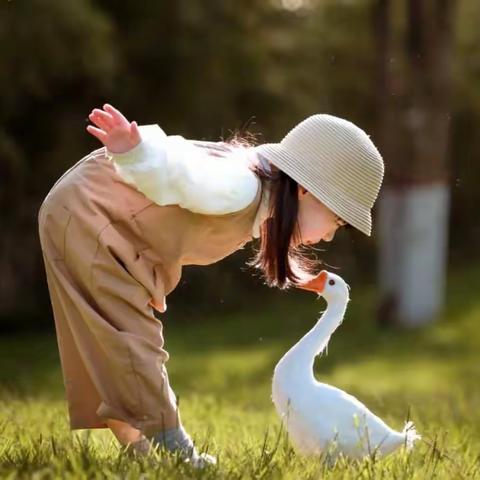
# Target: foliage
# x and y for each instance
(202, 70)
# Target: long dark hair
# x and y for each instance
(282, 264)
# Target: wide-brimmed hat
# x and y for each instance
(334, 160)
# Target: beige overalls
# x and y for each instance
(111, 254)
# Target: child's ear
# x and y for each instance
(302, 190)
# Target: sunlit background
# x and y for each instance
(407, 72)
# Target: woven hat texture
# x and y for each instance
(336, 161)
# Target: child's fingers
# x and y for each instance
(135, 132)
(96, 132)
(118, 116)
(98, 122)
(103, 119)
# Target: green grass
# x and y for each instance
(221, 370)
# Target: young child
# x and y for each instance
(118, 226)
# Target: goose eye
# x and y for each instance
(331, 282)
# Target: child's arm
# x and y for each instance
(171, 171)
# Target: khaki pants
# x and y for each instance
(110, 343)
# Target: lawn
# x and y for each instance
(221, 370)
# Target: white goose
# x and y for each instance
(320, 418)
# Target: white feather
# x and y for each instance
(320, 417)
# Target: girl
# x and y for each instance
(118, 226)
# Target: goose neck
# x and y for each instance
(316, 340)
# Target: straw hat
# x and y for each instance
(334, 160)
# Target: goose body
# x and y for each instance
(321, 418)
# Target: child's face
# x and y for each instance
(316, 221)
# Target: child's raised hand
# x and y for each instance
(115, 131)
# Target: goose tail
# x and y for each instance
(410, 434)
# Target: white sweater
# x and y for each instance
(172, 170)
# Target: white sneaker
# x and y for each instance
(200, 460)
(197, 460)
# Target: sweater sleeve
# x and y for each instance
(170, 170)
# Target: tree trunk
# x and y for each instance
(413, 100)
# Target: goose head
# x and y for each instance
(330, 286)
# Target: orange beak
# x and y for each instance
(317, 284)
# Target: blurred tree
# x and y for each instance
(199, 69)
(414, 99)
(465, 168)
(53, 54)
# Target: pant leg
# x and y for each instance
(110, 343)
(125, 304)
(82, 396)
